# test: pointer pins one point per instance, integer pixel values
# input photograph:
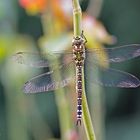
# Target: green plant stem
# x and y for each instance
(77, 18)
(62, 105)
(63, 110)
(60, 97)
(86, 115)
(77, 23)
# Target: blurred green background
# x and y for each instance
(25, 117)
(122, 19)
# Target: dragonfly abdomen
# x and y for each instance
(79, 93)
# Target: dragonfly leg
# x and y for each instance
(82, 35)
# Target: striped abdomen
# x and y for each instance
(79, 93)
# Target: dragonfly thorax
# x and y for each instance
(79, 57)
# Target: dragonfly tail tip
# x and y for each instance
(78, 122)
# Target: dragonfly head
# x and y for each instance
(78, 43)
(78, 40)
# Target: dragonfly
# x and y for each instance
(76, 59)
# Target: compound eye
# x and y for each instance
(76, 47)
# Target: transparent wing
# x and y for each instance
(48, 81)
(111, 77)
(39, 60)
(122, 53)
(116, 54)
